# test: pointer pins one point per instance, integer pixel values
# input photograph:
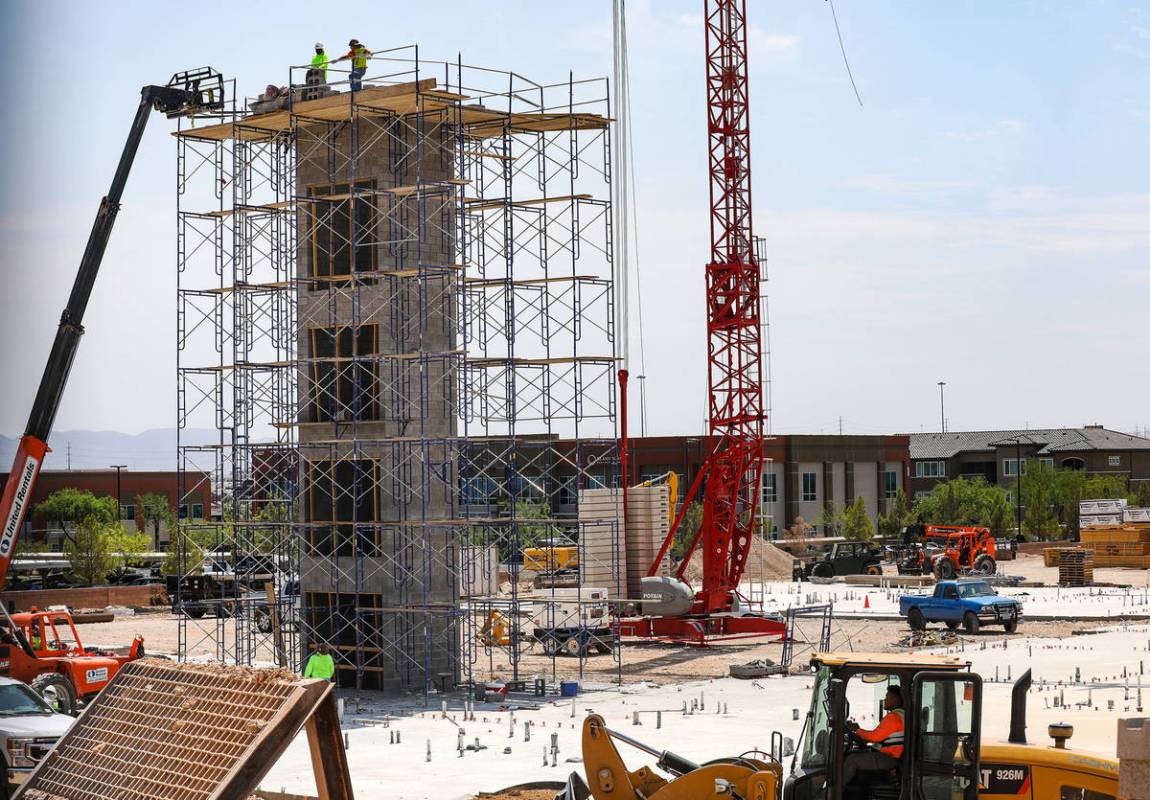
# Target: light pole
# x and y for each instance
(942, 403)
(119, 505)
(642, 405)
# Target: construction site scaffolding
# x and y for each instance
(396, 314)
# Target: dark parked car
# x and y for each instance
(846, 558)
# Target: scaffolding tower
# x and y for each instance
(396, 311)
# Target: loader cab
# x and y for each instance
(941, 710)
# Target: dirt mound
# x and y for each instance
(765, 562)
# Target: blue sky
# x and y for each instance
(983, 218)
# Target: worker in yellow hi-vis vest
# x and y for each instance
(320, 664)
(358, 55)
(319, 62)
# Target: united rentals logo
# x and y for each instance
(16, 513)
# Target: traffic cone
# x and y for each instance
(866, 601)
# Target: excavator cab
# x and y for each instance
(942, 704)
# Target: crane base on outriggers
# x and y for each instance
(703, 630)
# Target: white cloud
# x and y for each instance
(761, 42)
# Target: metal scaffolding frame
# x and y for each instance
(396, 310)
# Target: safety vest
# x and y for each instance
(320, 666)
(320, 61)
(359, 57)
(892, 743)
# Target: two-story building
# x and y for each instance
(996, 455)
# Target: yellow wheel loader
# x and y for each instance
(944, 756)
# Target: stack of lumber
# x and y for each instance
(1052, 556)
(603, 556)
(1076, 568)
(1124, 545)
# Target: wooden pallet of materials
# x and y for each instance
(1125, 533)
(1076, 568)
(1052, 556)
(1136, 562)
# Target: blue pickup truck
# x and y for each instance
(970, 603)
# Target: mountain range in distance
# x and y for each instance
(151, 450)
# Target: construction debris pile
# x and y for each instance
(765, 562)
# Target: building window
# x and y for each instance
(1047, 461)
(1114, 461)
(1010, 467)
(478, 491)
(889, 484)
(930, 469)
(183, 511)
(344, 373)
(339, 236)
(197, 510)
(921, 493)
(770, 487)
(128, 512)
(810, 486)
(568, 493)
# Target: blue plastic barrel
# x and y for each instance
(568, 688)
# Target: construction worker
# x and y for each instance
(319, 62)
(888, 735)
(358, 55)
(320, 664)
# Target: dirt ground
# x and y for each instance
(1032, 568)
(642, 661)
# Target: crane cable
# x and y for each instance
(628, 229)
(620, 186)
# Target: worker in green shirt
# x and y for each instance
(320, 664)
(320, 61)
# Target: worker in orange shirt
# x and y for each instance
(888, 735)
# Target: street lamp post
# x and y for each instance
(942, 403)
(119, 504)
(642, 405)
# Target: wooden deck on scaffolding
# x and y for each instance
(404, 99)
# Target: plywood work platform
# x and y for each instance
(166, 731)
(403, 99)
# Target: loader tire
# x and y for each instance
(984, 565)
(57, 691)
(944, 569)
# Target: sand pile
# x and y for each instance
(765, 562)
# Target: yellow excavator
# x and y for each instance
(944, 757)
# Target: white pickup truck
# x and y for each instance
(28, 730)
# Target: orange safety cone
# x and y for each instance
(866, 601)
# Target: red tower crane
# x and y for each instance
(734, 466)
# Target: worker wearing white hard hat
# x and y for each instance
(320, 61)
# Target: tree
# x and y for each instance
(128, 545)
(1140, 496)
(999, 515)
(685, 534)
(798, 533)
(1038, 490)
(831, 519)
(69, 507)
(961, 501)
(89, 551)
(856, 522)
(896, 517)
(154, 510)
